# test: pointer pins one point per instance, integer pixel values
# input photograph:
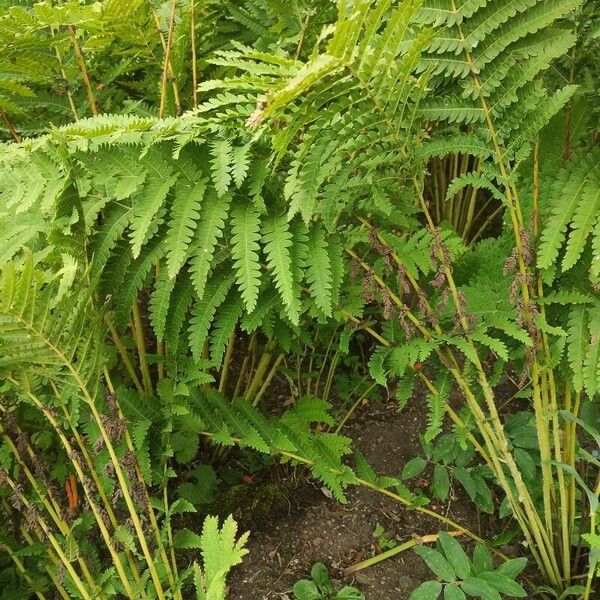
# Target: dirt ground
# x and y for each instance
(317, 528)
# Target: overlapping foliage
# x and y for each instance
(137, 250)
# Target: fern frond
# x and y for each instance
(185, 213)
(221, 162)
(160, 302)
(209, 230)
(277, 240)
(245, 248)
(319, 275)
(147, 204)
(204, 310)
(224, 325)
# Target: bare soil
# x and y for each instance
(311, 527)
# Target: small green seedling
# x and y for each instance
(320, 587)
(384, 542)
(460, 578)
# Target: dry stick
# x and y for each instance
(163, 85)
(83, 70)
(416, 541)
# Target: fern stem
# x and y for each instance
(194, 57)
(330, 375)
(21, 569)
(130, 506)
(168, 526)
(244, 367)
(374, 560)
(354, 406)
(227, 362)
(50, 505)
(78, 470)
(66, 563)
(124, 354)
(170, 569)
(261, 369)
(49, 552)
(167, 59)
(64, 76)
(138, 334)
(10, 126)
(267, 380)
(83, 70)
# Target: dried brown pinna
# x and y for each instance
(388, 307)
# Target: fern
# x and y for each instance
(160, 302)
(577, 344)
(185, 213)
(220, 552)
(319, 275)
(578, 182)
(246, 233)
(204, 310)
(146, 209)
(241, 423)
(210, 229)
(221, 165)
(591, 367)
(436, 408)
(277, 240)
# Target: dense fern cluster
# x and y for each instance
(286, 201)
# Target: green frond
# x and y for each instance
(203, 310)
(209, 230)
(575, 203)
(436, 408)
(591, 364)
(277, 240)
(318, 274)
(476, 181)
(577, 343)
(179, 303)
(221, 551)
(245, 249)
(59, 336)
(160, 302)
(221, 163)
(585, 217)
(133, 280)
(148, 208)
(185, 214)
(453, 110)
(224, 325)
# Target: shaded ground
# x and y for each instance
(315, 528)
